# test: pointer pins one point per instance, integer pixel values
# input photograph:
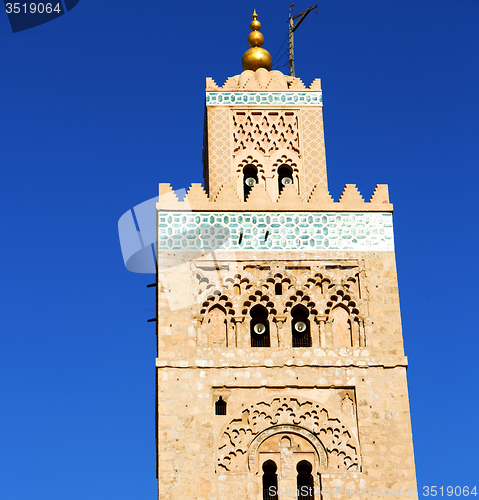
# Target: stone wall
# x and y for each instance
(344, 408)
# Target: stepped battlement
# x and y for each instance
(258, 199)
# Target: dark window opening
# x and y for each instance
(305, 483)
(250, 178)
(278, 289)
(285, 176)
(259, 327)
(220, 407)
(300, 327)
(270, 481)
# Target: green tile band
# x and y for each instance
(264, 98)
(363, 231)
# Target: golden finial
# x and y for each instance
(256, 57)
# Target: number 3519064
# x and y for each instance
(32, 8)
(450, 491)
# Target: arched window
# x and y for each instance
(278, 289)
(220, 407)
(259, 327)
(270, 481)
(285, 176)
(215, 326)
(250, 178)
(341, 327)
(300, 328)
(305, 483)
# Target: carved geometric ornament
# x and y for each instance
(326, 433)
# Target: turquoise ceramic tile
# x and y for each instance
(264, 98)
(292, 230)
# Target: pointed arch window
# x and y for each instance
(305, 483)
(285, 177)
(341, 326)
(259, 327)
(300, 327)
(215, 326)
(250, 178)
(270, 481)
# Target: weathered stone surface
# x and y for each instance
(363, 387)
(322, 380)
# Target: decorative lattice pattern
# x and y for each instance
(314, 156)
(292, 414)
(264, 98)
(219, 140)
(286, 231)
(265, 131)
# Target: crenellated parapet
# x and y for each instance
(262, 79)
(259, 200)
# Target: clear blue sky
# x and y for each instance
(95, 107)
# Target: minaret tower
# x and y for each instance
(280, 369)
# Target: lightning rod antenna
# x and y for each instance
(292, 27)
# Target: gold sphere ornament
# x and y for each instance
(256, 57)
(255, 25)
(255, 39)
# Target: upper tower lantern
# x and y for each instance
(263, 127)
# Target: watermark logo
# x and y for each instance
(26, 15)
(340, 492)
(137, 230)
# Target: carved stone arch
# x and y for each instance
(236, 284)
(215, 326)
(243, 160)
(220, 297)
(291, 160)
(341, 326)
(219, 306)
(278, 275)
(339, 294)
(318, 280)
(255, 297)
(278, 284)
(350, 324)
(259, 439)
(247, 159)
(343, 297)
(300, 295)
(237, 437)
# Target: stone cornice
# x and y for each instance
(314, 362)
